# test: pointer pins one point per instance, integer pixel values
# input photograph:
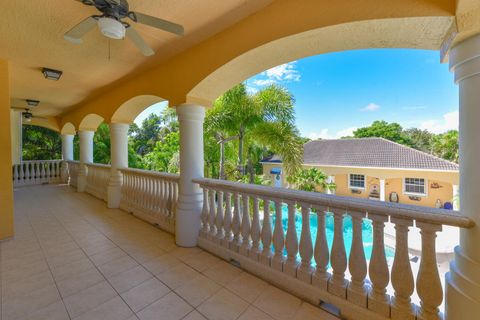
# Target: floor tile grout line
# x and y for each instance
(49, 268)
(95, 266)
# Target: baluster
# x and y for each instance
(165, 197)
(205, 213)
(136, 189)
(47, 172)
(267, 254)
(172, 199)
(338, 284)
(155, 198)
(219, 219)
(22, 173)
(378, 300)
(27, 172)
(321, 277)
(255, 251)
(291, 243)
(402, 276)
(357, 264)
(40, 172)
(175, 199)
(163, 203)
(15, 174)
(278, 258)
(429, 287)
(33, 173)
(211, 216)
(237, 237)
(305, 269)
(227, 221)
(246, 226)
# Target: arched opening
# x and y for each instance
(130, 110)
(68, 128)
(413, 32)
(40, 143)
(90, 122)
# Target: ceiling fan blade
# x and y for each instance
(139, 42)
(159, 23)
(38, 117)
(75, 34)
(18, 108)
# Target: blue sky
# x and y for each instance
(338, 92)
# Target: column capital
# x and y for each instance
(465, 58)
(190, 112)
(119, 127)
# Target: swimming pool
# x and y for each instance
(367, 232)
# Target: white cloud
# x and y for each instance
(449, 122)
(284, 72)
(263, 82)
(251, 90)
(370, 107)
(324, 134)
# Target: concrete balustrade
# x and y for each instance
(98, 176)
(37, 172)
(316, 273)
(152, 196)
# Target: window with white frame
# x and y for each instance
(416, 186)
(356, 181)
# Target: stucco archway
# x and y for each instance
(414, 33)
(130, 109)
(90, 122)
(68, 128)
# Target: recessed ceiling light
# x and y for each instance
(32, 103)
(51, 74)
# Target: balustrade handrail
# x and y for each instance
(30, 161)
(73, 161)
(98, 165)
(397, 210)
(162, 175)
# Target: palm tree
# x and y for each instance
(256, 122)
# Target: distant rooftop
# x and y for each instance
(369, 152)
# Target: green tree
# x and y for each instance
(40, 143)
(256, 123)
(420, 139)
(309, 179)
(101, 144)
(382, 129)
(160, 157)
(146, 136)
(446, 145)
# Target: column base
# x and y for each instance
(81, 183)
(462, 288)
(114, 190)
(187, 224)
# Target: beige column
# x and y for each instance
(190, 202)
(86, 156)
(463, 280)
(16, 132)
(119, 160)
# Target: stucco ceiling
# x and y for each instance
(31, 37)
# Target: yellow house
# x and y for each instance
(378, 169)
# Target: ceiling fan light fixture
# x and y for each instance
(32, 103)
(51, 74)
(111, 28)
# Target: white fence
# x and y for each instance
(37, 172)
(97, 180)
(151, 195)
(233, 228)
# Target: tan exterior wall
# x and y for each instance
(6, 187)
(393, 182)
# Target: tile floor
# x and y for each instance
(72, 258)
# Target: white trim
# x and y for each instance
(364, 181)
(414, 193)
(378, 168)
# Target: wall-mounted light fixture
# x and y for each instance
(32, 103)
(51, 74)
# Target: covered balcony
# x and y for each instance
(87, 241)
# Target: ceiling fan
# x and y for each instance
(112, 26)
(27, 115)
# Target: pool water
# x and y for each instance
(367, 232)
